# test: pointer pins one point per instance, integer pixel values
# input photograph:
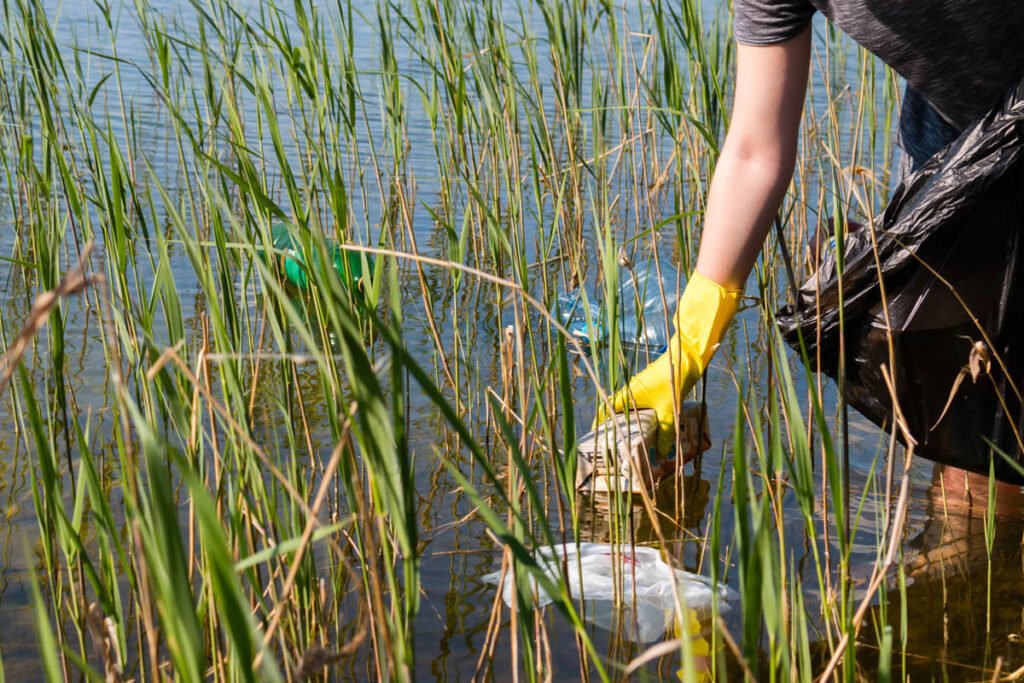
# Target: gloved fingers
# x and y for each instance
(600, 416)
(621, 401)
(636, 394)
(625, 398)
(666, 440)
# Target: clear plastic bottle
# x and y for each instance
(648, 297)
(574, 308)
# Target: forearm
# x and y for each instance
(744, 197)
(756, 163)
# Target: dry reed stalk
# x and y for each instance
(104, 636)
(171, 355)
(311, 523)
(74, 282)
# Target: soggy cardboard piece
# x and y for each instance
(620, 454)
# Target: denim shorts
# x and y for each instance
(923, 131)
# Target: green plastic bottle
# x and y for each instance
(288, 251)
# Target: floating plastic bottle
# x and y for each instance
(291, 259)
(648, 296)
(574, 309)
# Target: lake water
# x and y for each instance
(945, 557)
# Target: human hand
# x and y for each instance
(704, 313)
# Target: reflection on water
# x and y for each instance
(680, 504)
(964, 605)
(963, 610)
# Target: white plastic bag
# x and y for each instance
(644, 584)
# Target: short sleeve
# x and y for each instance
(766, 22)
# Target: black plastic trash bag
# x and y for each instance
(950, 255)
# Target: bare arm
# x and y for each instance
(756, 163)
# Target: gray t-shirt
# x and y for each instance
(961, 55)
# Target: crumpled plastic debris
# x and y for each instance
(637, 599)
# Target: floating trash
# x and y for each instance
(292, 260)
(648, 297)
(580, 315)
(636, 598)
(619, 454)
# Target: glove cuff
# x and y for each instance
(703, 316)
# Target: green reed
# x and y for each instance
(247, 501)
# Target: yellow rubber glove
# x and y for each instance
(704, 313)
(700, 648)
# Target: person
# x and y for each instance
(957, 58)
